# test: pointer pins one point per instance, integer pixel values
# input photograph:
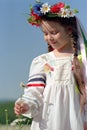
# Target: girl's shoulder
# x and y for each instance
(43, 57)
(39, 62)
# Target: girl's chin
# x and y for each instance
(55, 47)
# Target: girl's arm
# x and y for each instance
(33, 93)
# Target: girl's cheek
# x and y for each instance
(45, 39)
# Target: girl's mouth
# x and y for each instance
(51, 42)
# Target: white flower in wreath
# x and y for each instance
(45, 8)
(66, 12)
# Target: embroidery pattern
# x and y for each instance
(48, 69)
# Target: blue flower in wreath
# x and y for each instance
(36, 9)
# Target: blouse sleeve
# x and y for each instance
(33, 93)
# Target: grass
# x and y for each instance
(9, 106)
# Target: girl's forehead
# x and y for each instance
(50, 25)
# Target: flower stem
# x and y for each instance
(19, 123)
(6, 118)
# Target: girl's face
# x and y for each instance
(56, 35)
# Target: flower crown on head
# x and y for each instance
(44, 9)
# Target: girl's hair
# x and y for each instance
(71, 22)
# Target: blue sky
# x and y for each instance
(21, 42)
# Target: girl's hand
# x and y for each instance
(85, 126)
(20, 108)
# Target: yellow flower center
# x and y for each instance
(64, 13)
(45, 8)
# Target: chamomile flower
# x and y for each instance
(45, 8)
(22, 85)
(16, 121)
(71, 13)
(65, 12)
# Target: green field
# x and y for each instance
(9, 106)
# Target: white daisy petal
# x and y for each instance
(71, 13)
(66, 13)
(45, 8)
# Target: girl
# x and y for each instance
(55, 95)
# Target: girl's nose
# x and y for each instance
(50, 37)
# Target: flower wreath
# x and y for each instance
(41, 9)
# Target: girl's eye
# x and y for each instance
(45, 34)
(54, 33)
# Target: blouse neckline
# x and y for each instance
(60, 57)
